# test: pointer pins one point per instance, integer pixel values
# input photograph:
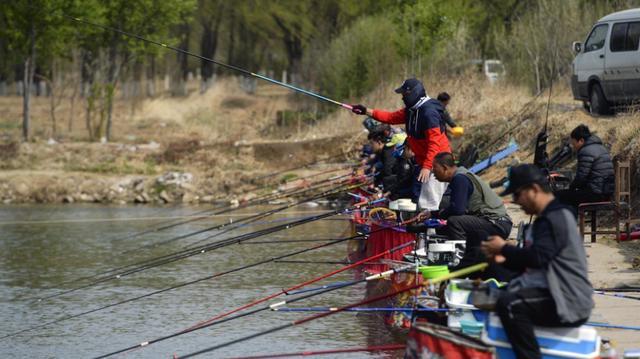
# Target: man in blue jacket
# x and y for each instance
(553, 289)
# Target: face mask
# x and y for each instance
(412, 97)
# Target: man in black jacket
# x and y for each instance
(553, 289)
(595, 178)
(384, 154)
(400, 183)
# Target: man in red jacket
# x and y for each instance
(426, 132)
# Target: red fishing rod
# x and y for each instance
(459, 273)
(227, 66)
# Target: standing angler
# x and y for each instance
(426, 132)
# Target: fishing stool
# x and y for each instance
(620, 205)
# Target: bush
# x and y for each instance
(359, 58)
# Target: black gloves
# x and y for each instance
(359, 109)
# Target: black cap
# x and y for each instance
(407, 85)
(522, 176)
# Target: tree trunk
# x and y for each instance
(151, 77)
(29, 68)
(114, 70)
(179, 86)
(209, 46)
(232, 40)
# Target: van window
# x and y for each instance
(618, 37)
(595, 41)
(625, 37)
(633, 36)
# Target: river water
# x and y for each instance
(43, 248)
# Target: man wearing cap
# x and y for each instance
(553, 288)
(426, 132)
(474, 212)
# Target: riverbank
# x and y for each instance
(180, 172)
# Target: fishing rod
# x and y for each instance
(299, 167)
(226, 318)
(303, 284)
(181, 285)
(375, 348)
(172, 257)
(288, 241)
(367, 310)
(312, 262)
(225, 209)
(245, 220)
(617, 295)
(465, 271)
(227, 66)
(133, 267)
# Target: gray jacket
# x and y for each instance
(558, 254)
(595, 168)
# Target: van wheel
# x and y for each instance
(585, 105)
(598, 104)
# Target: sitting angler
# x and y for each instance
(595, 178)
(553, 289)
(384, 154)
(473, 212)
(400, 183)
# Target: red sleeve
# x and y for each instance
(435, 141)
(392, 118)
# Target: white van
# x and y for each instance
(606, 70)
(493, 70)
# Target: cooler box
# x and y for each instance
(460, 299)
(555, 343)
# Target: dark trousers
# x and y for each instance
(520, 311)
(417, 185)
(573, 197)
(473, 230)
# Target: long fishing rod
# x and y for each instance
(118, 272)
(230, 209)
(459, 273)
(246, 220)
(224, 209)
(257, 217)
(303, 284)
(616, 295)
(181, 285)
(298, 167)
(227, 66)
(226, 318)
(172, 257)
(371, 349)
